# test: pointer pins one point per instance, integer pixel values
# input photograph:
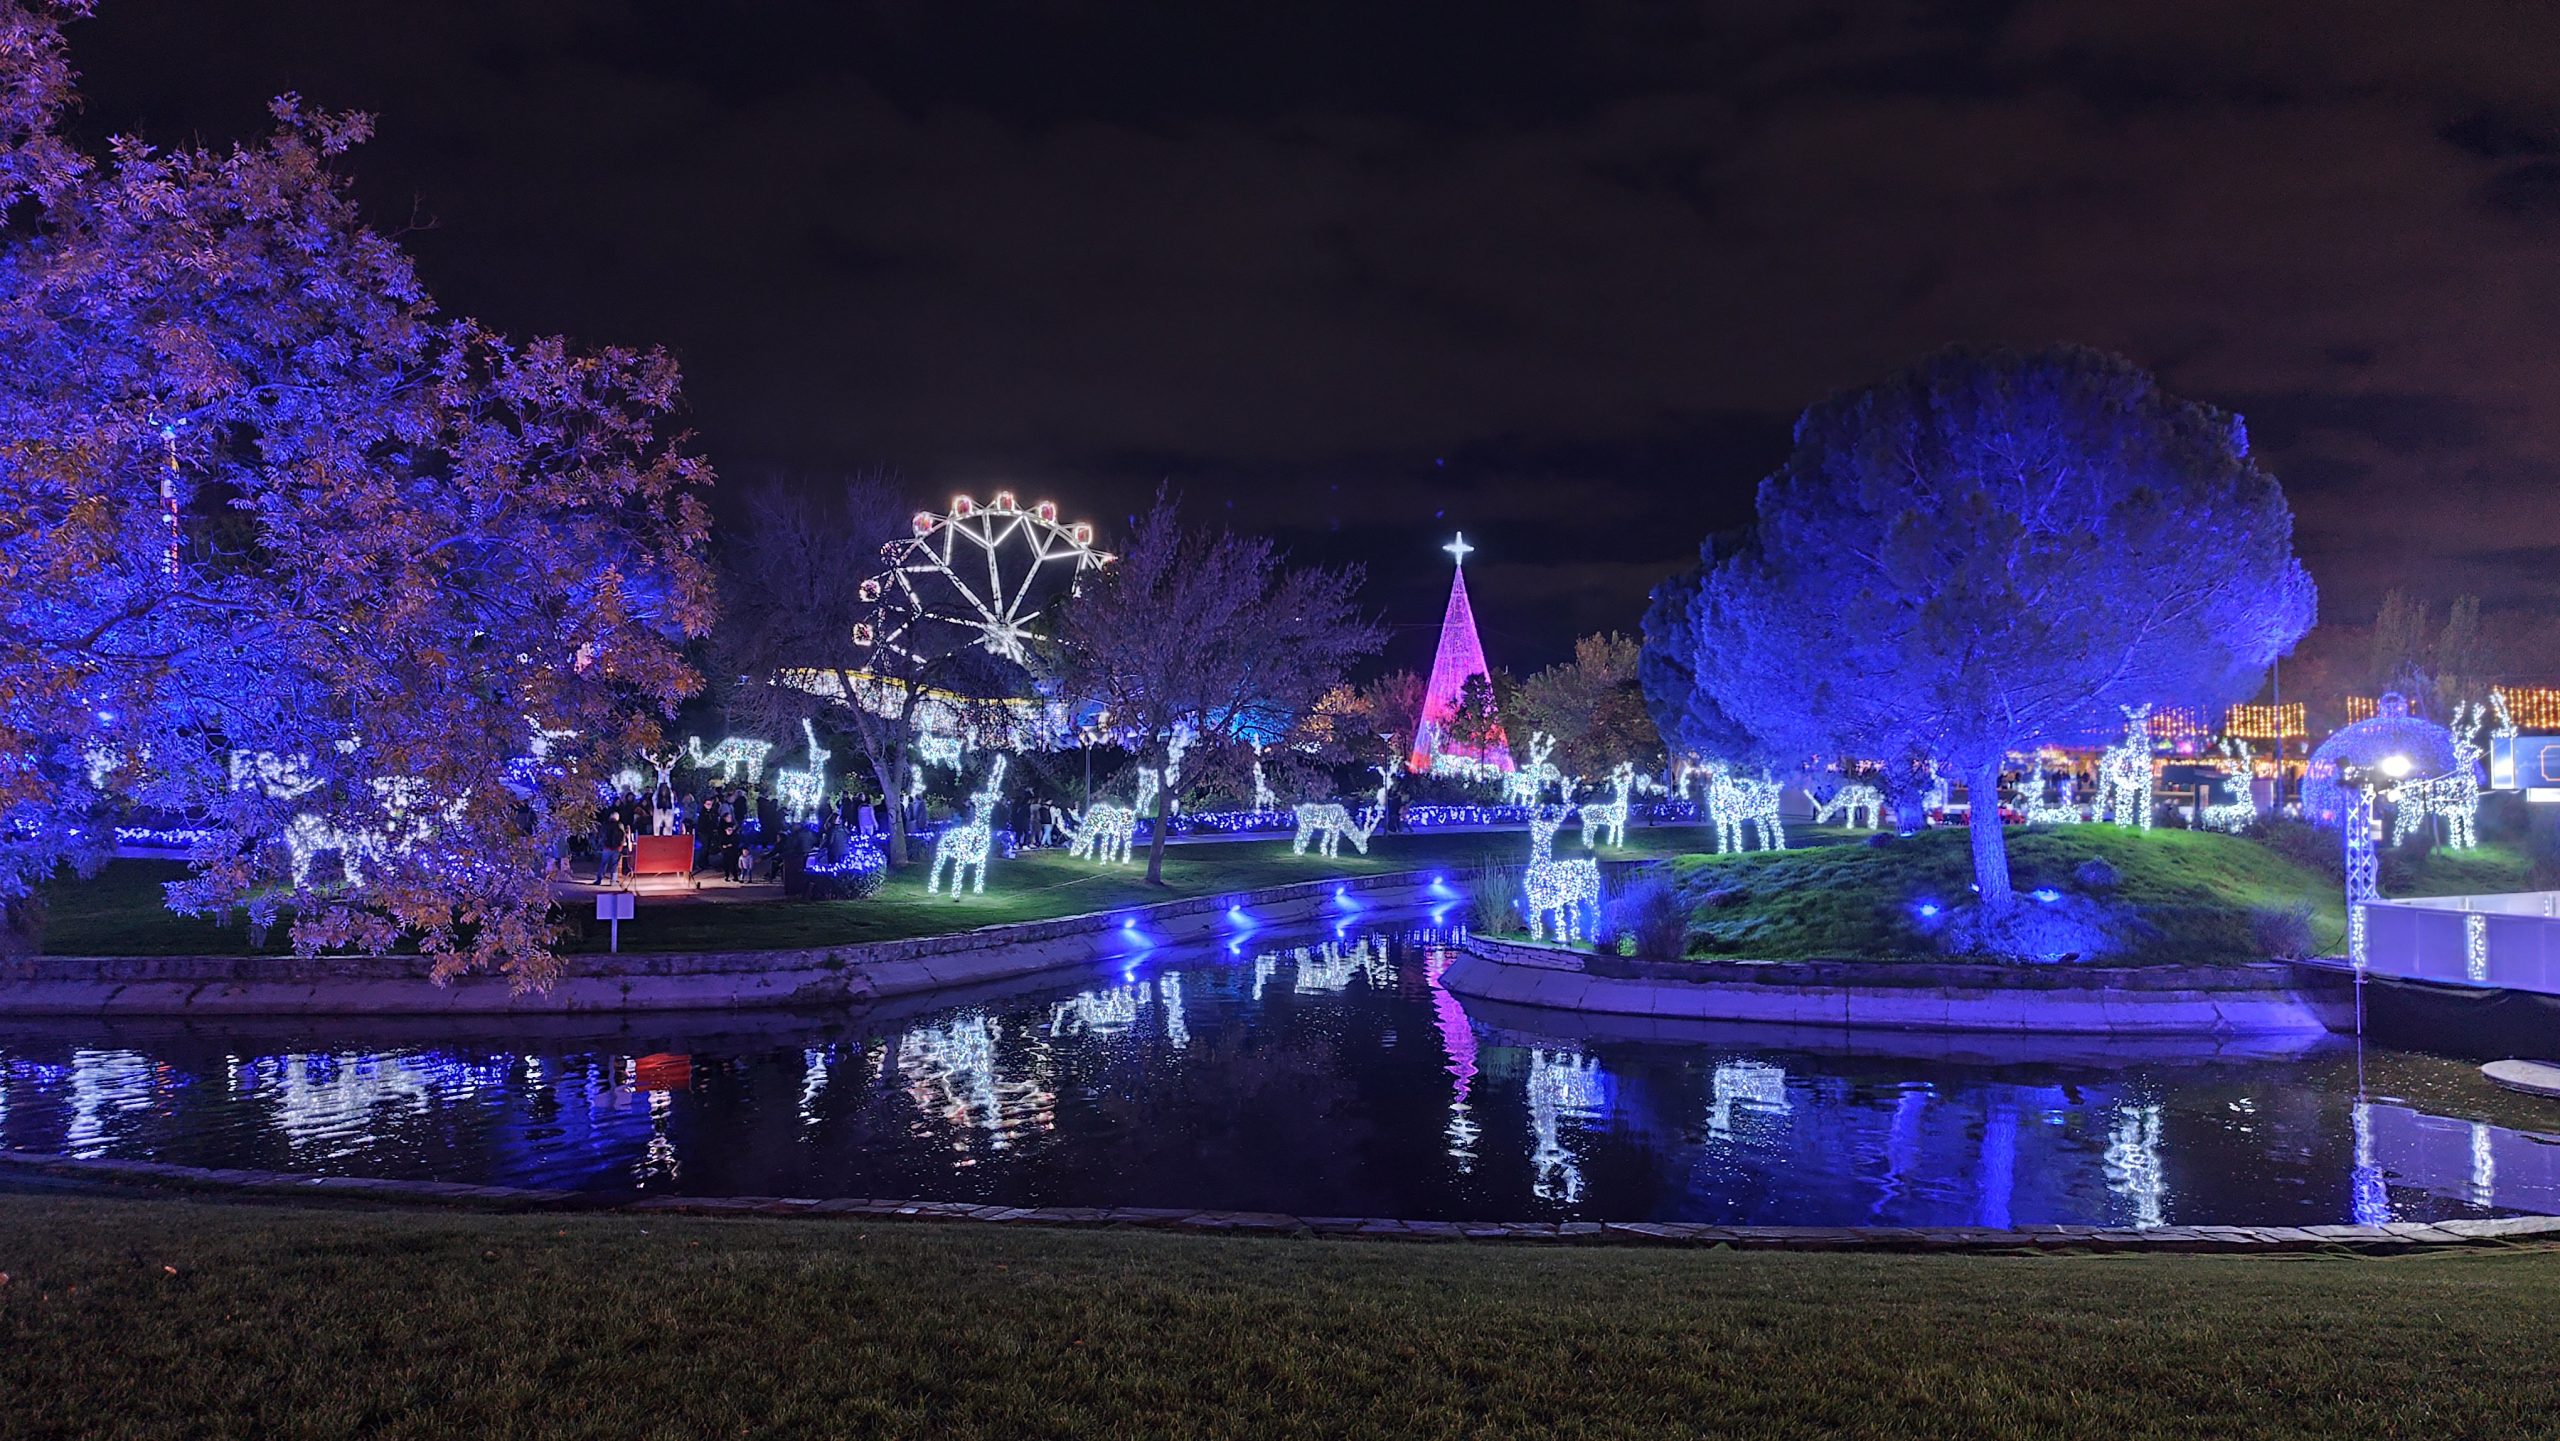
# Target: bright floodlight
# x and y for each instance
(2396, 767)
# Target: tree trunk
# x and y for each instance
(893, 801)
(1990, 845)
(1155, 843)
(22, 925)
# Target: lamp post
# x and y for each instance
(2364, 868)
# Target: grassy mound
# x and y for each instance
(2192, 893)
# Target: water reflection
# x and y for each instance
(1328, 1073)
(1562, 1087)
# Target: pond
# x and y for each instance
(1324, 1073)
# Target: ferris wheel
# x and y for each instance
(977, 574)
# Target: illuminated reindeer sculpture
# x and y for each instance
(2455, 795)
(730, 755)
(1104, 831)
(2236, 813)
(964, 847)
(2124, 773)
(800, 791)
(1854, 799)
(1523, 786)
(2040, 812)
(1606, 823)
(1564, 889)
(1735, 801)
(1327, 823)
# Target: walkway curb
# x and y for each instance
(2226, 1240)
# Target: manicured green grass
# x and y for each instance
(1038, 885)
(119, 911)
(2196, 888)
(147, 1318)
(2484, 870)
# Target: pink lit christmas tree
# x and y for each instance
(1460, 656)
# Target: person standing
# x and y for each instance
(609, 836)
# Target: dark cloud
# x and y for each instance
(1556, 274)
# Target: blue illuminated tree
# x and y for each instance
(289, 553)
(1995, 549)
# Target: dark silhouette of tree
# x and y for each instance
(1475, 722)
(263, 501)
(2399, 659)
(1993, 549)
(1208, 634)
(794, 611)
(1593, 706)
(1393, 703)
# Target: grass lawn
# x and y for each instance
(2196, 887)
(119, 911)
(147, 1317)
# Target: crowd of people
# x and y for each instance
(739, 833)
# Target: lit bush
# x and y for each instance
(1647, 919)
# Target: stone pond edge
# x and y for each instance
(2390, 1238)
(2255, 1000)
(853, 973)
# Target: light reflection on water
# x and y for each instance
(1329, 1074)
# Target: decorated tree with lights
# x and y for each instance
(1206, 634)
(1592, 705)
(796, 599)
(268, 512)
(1994, 549)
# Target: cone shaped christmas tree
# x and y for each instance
(1460, 657)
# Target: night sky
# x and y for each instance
(1559, 276)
